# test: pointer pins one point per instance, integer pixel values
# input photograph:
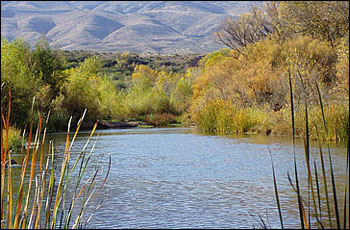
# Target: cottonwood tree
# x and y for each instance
(48, 64)
(249, 27)
(324, 20)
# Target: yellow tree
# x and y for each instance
(325, 20)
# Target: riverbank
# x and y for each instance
(105, 124)
(224, 117)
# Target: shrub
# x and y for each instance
(160, 119)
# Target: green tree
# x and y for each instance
(17, 73)
(85, 89)
(48, 65)
(80, 91)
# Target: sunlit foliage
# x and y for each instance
(306, 41)
(324, 20)
(17, 72)
(84, 89)
(241, 89)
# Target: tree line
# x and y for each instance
(241, 88)
(246, 87)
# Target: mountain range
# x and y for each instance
(109, 26)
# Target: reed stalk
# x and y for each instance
(324, 179)
(300, 203)
(330, 160)
(346, 184)
(276, 191)
(317, 203)
(318, 191)
(39, 206)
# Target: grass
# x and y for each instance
(226, 118)
(39, 201)
(315, 204)
(145, 126)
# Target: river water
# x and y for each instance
(180, 178)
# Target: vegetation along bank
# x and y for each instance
(243, 88)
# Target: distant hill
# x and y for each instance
(139, 26)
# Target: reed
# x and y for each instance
(40, 200)
(315, 213)
(221, 116)
(276, 192)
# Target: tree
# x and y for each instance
(17, 73)
(325, 20)
(248, 28)
(48, 65)
(144, 73)
(82, 90)
(182, 94)
(91, 65)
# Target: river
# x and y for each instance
(180, 178)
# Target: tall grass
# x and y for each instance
(40, 199)
(315, 214)
(221, 116)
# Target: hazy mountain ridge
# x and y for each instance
(156, 27)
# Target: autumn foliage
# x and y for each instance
(308, 40)
(244, 88)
